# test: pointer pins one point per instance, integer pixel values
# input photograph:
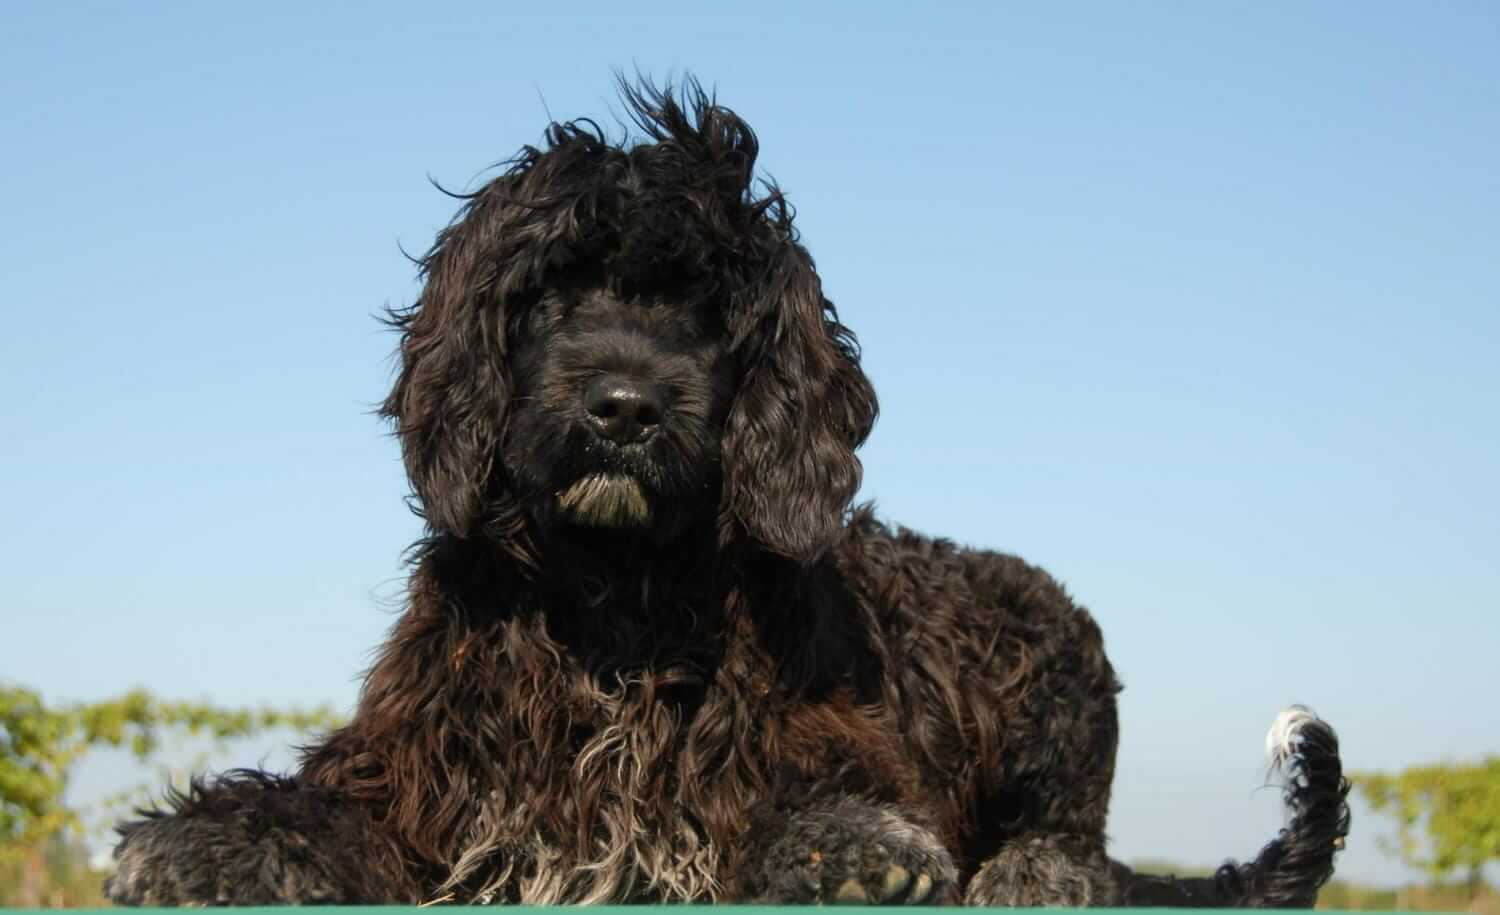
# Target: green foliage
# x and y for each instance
(39, 745)
(1448, 815)
(1465, 896)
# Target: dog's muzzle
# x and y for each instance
(606, 500)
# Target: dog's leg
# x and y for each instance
(248, 838)
(1050, 850)
(845, 850)
(1045, 693)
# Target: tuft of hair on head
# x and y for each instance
(602, 500)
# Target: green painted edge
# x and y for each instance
(636, 909)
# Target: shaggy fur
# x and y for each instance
(650, 654)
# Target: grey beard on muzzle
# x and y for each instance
(601, 500)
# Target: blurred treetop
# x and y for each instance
(1448, 815)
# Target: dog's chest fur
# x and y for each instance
(589, 798)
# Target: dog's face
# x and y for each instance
(627, 341)
(619, 405)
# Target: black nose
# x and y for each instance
(623, 409)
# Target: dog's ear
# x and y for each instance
(453, 393)
(804, 406)
(453, 390)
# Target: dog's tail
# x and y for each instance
(1289, 871)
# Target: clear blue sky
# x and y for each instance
(1196, 305)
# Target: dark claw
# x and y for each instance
(921, 891)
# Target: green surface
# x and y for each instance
(635, 910)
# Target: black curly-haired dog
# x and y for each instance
(649, 654)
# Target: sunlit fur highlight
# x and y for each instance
(606, 501)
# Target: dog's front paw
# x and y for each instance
(1044, 870)
(853, 853)
(154, 867)
(249, 838)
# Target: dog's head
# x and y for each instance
(631, 339)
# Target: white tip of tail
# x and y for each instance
(1286, 734)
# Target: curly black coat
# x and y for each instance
(650, 654)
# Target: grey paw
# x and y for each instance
(852, 853)
(146, 872)
(1043, 870)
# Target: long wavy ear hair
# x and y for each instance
(803, 408)
(803, 404)
(452, 395)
